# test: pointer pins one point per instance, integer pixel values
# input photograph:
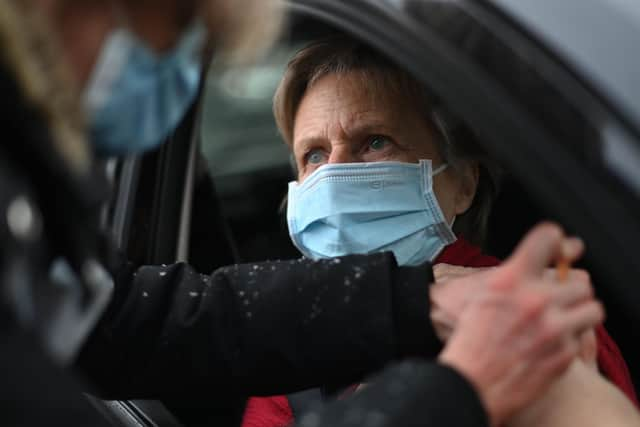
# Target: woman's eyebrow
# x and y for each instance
(304, 143)
(354, 128)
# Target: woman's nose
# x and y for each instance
(342, 154)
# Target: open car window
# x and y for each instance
(238, 132)
(568, 152)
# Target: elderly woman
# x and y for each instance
(382, 167)
(348, 106)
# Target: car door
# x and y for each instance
(144, 219)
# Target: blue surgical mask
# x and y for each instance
(362, 208)
(136, 97)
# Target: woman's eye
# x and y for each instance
(315, 157)
(379, 143)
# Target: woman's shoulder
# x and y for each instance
(612, 365)
(273, 411)
(464, 254)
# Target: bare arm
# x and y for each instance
(580, 397)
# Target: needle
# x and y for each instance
(562, 269)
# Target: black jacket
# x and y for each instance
(252, 329)
(42, 214)
(414, 394)
(277, 327)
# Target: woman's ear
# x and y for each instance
(468, 177)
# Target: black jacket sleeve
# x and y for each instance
(410, 394)
(265, 328)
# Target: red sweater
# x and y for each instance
(275, 411)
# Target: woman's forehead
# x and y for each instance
(363, 102)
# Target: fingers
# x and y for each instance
(574, 275)
(577, 291)
(558, 328)
(442, 324)
(589, 349)
(584, 316)
(541, 247)
(567, 316)
(572, 249)
(535, 252)
(558, 361)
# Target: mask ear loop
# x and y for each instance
(435, 172)
(439, 169)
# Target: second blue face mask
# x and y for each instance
(136, 97)
(362, 208)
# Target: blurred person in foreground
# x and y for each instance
(169, 332)
(382, 166)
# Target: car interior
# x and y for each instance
(213, 194)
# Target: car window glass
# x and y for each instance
(239, 134)
(244, 154)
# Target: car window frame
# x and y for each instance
(168, 171)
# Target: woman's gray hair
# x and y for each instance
(456, 143)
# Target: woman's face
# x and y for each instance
(343, 120)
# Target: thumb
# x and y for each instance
(542, 245)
